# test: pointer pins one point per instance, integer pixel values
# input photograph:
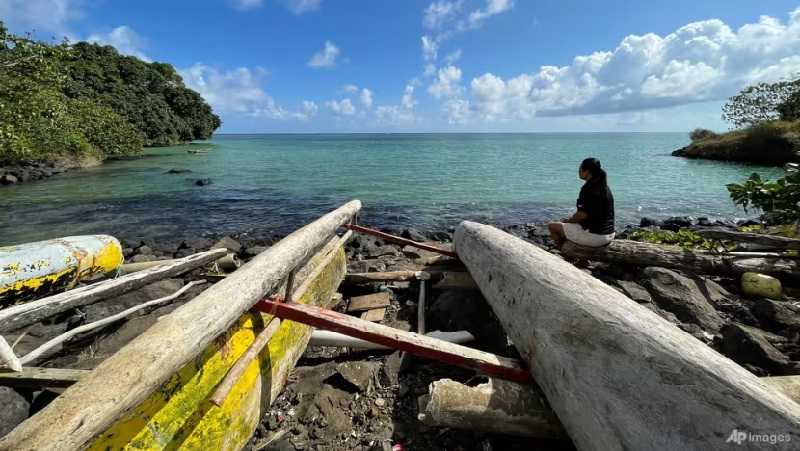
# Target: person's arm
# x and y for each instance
(577, 218)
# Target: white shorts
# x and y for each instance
(579, 235)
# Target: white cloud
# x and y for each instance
(366, 98)
(453, 57)
(701, 61)
(325, 57)
(124, 39)
(308, 111)
(441, 12)
(244, 5)
(493, 7)
(457, 111)
(40, 15)
(350, 89)
(303, 6)
(342, 107)
(447, 83)
(430, 48)
(403, 114)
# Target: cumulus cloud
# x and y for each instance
(40, 15)
(124, 39)
(452, 57)
(303, 6)
(430, 48)
(402, 114)
(447, 84)
(342, 107)
(325, 57)
(239, 92)
(441, 12)
(701, 61)
(493, 7)
(366, 98)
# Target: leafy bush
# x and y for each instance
(699, 134)
(760, 103)
(684, 238)
(789, 110)
(779, 200)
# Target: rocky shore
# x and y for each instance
(338, 398)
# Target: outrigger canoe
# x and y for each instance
(154, 392)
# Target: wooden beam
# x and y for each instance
(18, 316)
(774, 241)
(328, 338)
(395, 276)
(617, 375)
(431, 348)
(133, 373)
(645, 254)
(369, 301)
(38, 377)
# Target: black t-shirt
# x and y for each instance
(597, 202)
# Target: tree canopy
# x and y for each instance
(86, 99)
(764, 102)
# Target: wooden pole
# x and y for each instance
(328, 338)
(395, 276)
(134, 372)
(773, 241)
(421, 309)
(18, 316)
(400, 240)
(617, 375)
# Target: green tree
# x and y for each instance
(760, 103)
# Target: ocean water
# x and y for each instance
(275, 183)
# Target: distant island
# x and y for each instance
(77, 104)
(766, 118)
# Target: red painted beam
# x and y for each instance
(399, 240)
(431, 348)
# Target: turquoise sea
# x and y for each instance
(274, 183)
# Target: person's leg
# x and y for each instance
(557, 233)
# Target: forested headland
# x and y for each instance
(81, 100)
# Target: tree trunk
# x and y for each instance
(617, 375)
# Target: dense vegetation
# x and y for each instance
(764, 102)
(779, 200)
(78, 100)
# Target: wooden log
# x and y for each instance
(18, 316)
(328, 338)
(36, 377)
(395, 276)
(56, 341)
(374, 315)
(617, 375)
(136, 371)
(774, 241)
(645, 254)
(497, 406)
(431, 348)
(7, 357)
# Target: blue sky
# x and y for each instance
(460, 65)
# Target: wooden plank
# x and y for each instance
(396, 276)
(374, 315)
(38, 377)
(777, 242)
(482, 362)
(175, 343)
(617, 375)
(369, 301)
(18, 316)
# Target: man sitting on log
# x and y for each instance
(592, 225)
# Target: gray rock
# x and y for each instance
(155, 290)
(14, 410)
(713, 291)
(358, 374)
(411, 234)
(203, 182)
(411, 252)
(229, 244)
(197, 243)
(252, 251)
(635, 291)
(681, 296)
(139, 258)
(144, 250)
(748, 345)
(8, 179)
(380, 251)
(357, 266)
(776, 315)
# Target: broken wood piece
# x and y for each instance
(617, 375)
(369, 301)
(431, 348)
(18, 316)
(774, 241)
(497, 406)
(646, 254)
(7, 356)
(52, 343)
(328, 338)
(228, 263)
(39, 377)
(455, 280)
(395, 276)
(374, 315)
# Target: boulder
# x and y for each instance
(357, 376)
(178, 171)
(252, 251)
(413, 235)
(649, 222)
(634, 291)
(228, 243)
(145, 250)
(713, 291)
(14, 410)
(748, 345)
(681, 296)
(676, 223)
(775, 315)
(203, 182)
(196, 244)
(757, 285)
(8, 179)
(139, 258)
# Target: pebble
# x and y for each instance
(380, 402)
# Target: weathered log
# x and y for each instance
(371, 277)
(773, 241)
(36, 377)
(56, 341)
(504, 407)
(645, 254)
(497, 406)
(617, 375)
(131, 375)
(22, 315)
(7, 357)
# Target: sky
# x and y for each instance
(275, 66)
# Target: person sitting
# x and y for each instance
(592, 225)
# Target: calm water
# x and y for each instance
(278, 182)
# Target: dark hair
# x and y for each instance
(593, 166)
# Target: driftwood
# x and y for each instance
(396, 276)
(616, 374)
(133, 373)
(36, 377)
(645, 254)
(328, 338)
(777, 242)
(7, 357)
(497, 406)
(18, 316)
(52, 343)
